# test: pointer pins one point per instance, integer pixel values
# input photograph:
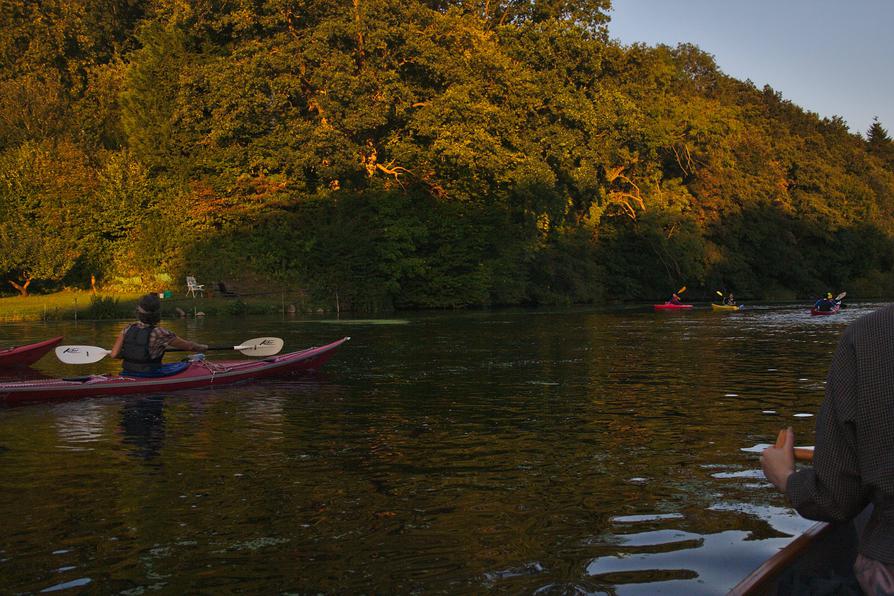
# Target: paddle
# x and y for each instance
(259, 346)
(677, 294)
(801, 453)
(837, 298)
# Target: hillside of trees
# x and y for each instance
(417, 154)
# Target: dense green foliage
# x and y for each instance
(417, 153)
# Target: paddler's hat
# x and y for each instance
(149, 309)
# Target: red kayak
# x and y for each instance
(834, 310)
(672, 306)
(197, 374)
(26, 355)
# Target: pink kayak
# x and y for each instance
(197, 374)
(26, 355)
(672, 306)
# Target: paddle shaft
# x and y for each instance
(259, 346)
(801, 453)
(209, 348)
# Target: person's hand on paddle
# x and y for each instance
(778, 461)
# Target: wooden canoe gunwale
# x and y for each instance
(761, 579)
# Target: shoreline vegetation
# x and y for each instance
(85, 305)
(416, 155)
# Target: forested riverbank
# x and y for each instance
(416, 154)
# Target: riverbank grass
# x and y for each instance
(58, 306)
(85, 305)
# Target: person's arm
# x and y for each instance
(116, 348)
(833, 490)
(184, 344)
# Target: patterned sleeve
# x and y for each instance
(159, 341)
(832, 490)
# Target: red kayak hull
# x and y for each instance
(818, 313)
(669, 306)
(197, 375)
(26, 355)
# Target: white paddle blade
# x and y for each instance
(80, 354)
(260, 346)
(840, 296)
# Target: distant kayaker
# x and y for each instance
(825, 304)
(730, 300)
(142, 345)
(852, 462)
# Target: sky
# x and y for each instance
(830, 57)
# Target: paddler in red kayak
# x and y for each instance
(142, 345)
(825, 304)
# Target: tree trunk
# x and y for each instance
(358, 22)
(23, 288)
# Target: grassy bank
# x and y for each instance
(84, 305)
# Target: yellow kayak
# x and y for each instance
(725, 307)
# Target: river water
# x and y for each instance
(553, 452)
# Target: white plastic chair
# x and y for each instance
(192, 287)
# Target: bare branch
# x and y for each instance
(393, 171)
